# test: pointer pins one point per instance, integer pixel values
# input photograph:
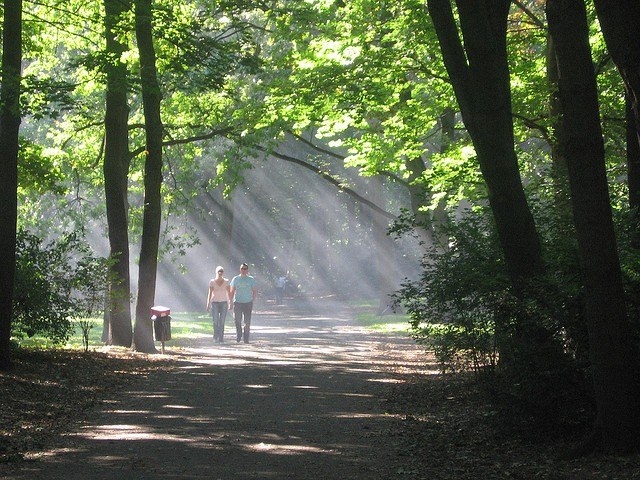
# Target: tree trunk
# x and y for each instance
(9, 129)
(384, 251)
(235, 256)
(439, 216)
(613, 355)
(151, 98)
(418, 193)
(116, 171)
(480, 77)
(558, 161)
(419, 198)
(429, 223)
(619, 20)
(633, 170)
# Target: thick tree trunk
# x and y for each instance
(9, 129)
(419, 197)
(633, 170)
(619, 20)
(613, 355)
(558, 161)
(116, 171)
(151, 98)
(439, 215)
(479, 74)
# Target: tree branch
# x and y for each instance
(337, 156)
(326, 176)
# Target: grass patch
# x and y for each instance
(185, 326)
(384, 323)
(367, 315)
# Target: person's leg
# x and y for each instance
(214, 316)
(223, 316)
(237, 316)
(248, 307)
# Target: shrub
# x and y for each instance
(453, 305)
(54, 284)
(532, 344)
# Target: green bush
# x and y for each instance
(55, 283)
(453, 305)
(530, 345)
(460, 348)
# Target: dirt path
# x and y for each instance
(303, 400)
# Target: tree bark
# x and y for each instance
(439, 215)
(633, 170)
(558, 161)
(116, 171)
(619, 20)
(10, 118)
(152, 215)
(429, 224)
(613, 355)
(480, 77)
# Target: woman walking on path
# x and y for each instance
(218, 301)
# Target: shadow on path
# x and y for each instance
(303, 400)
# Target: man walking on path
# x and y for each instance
(280, 286)
(242, 294)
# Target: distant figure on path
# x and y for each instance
(281, 284)
(218, 301)
(241, 297)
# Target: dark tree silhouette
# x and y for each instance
(614, 358)
(116, 170)
(9, 129)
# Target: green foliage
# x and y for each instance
(453, 304)
(197, 50)
(38, 173)
(368, 315)
(46, 97)
(630, 266)
(461, 347)
(55, 283)
(531, 344)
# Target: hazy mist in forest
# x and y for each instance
(287, 220)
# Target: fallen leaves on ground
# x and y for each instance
(444, 432)
(46, 391)
(450, 432)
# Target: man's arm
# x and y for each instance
(232, 291)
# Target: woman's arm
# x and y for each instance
(209, 297)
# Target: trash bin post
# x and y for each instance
(161, 318)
